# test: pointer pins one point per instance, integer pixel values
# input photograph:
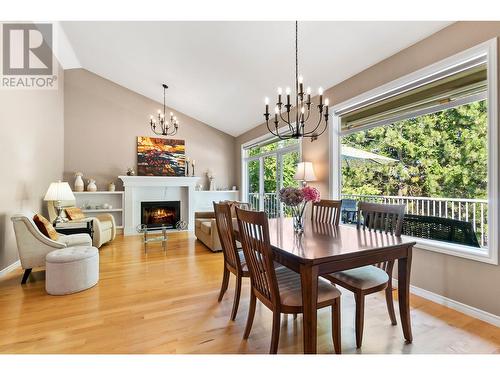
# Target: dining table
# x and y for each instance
(324, 248)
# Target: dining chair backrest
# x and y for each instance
(254, 238)
(326, 211)
(224, 223)
(234, 204)
(386, 218)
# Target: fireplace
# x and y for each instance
(156, 214)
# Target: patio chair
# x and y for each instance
(349, 210)
(440, 229)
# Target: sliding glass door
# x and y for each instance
(268, 168)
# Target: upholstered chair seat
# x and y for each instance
(363, 277)
(290, 289)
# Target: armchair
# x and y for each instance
(33, 245)
(205, 226)
(104, 224)
(206, 230)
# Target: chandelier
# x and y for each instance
(162, 126)
(287, 125)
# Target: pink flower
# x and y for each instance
(311, 194)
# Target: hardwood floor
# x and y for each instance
(157, 303)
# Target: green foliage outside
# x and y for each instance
(443, 154)
(271, 177)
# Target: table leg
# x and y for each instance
(309, 280)
(404, 268)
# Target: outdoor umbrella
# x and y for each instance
(350, 153)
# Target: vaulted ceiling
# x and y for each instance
(220, 72)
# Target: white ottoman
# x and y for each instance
(71, 270)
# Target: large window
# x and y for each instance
(428, 141)
(268, 166)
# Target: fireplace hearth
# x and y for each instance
(156, 214)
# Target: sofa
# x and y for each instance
(205, 228)
(104, 224)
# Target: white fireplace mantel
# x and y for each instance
(158, 181)
(153, 188)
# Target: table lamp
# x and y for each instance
(58, 192)
(305, 172)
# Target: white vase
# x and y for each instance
(79, 182)
(91, 186)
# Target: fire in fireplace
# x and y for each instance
(156, 214)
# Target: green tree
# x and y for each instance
(443, 154)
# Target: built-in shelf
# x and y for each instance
(99, 199)
(97, 192)
(102, 210)
(217, 191)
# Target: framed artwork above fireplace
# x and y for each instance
(160, 157)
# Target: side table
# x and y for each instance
(74, 227)
(153, 235)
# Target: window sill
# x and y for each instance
(478, 254)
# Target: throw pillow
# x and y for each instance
(45, 227)
(74, 213)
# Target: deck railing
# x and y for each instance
(474, 211)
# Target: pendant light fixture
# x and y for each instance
(161, 126)
(295, 124)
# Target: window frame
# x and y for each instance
(487, 50)
(245, 159)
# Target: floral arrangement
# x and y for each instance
(296, 199)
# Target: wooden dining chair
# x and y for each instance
(234, 261)
(370, 279)
(279, 289)
(326, 211)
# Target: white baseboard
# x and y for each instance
(10, 268)
(455, 305)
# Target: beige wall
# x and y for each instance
(470, 282)
(103, 120)
(31, 155)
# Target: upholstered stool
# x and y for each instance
(71, 270)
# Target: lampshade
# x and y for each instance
(305, 172)
(59, 191)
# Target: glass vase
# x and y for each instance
(298, 223)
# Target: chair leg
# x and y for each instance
(275, 337)
(237, 292)
(251, 314)
(360, 312)
(390, 305)
(225, 282)
(26, 275)
(336, 326)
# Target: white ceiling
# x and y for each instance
(220, 72)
